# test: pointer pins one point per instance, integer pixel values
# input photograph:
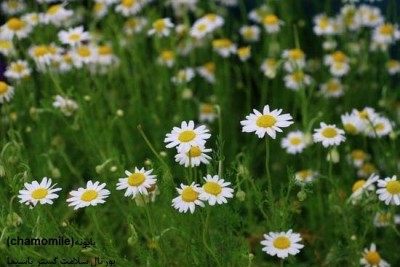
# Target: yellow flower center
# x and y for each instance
(89, 195)
(368, 168)
(329, 132)
(159, 25)
(182, 75)
(304, 174)
(67, 58)
(98, 7)
(136, 179)
(15, 24)
(3, 88)
(39, 193)
(244, 51)
(167, 55)
(186, 136)
(207, 109)
(324, 23)
(12, 4)
(386, 29)
(358, 154)
(333, 87)
(393, 187)
(363, 114)
(271, 62)
(211, 17)
(5, 44)
(295, 141)
(212, 188)
(210, 67)
(131, 23)
(393, 64)
(379, 127)
(357, 185)
(53, 9)
(298, 76)
(222, 43)
(189, 195)
(296, 54)
(248, 33)
(74, 37)
(194, 152)
(270, 20)
(266, 121)
(373, 257)
(83, 51)
(17, 67)
(128, 3)
(202, 27)
(282, 242)
(339, 57)
(104, 50)
(40, 51)
(350, 128)
(384, 217)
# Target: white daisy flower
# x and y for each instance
(352, 123)
(65, 105)
(207, 113)
(294, 142)
(323, 25)
(385, 218)
(358, 157)
(295, 59)
(207, 71)
(215, 190)
(18, 70)
(386, 33)
(371, 258)
(378, 127)
(224, 47)
(328, 135)
(128, 7)
(393, 66)
(13, 7)
(188, 198)
(6, 47)
(15, 27)
(297, 80)
(161, 27)
(93, 194)
(389, 190)
(215, 20)
(58, 15)
(73, 36)
(305, 176)
(35, 192)
(268, 122)
(138, 182)
(187, 136)
(244, 53)
(167, 58)
(201, 28)
(282, 244)
(269, 66)
(194, 157)
(363, 186)
(183, 76)
(6, 92)
(332, 89)
(250, 33)
(272, 23)
(135, 25)
(366, 169)
(83, 55)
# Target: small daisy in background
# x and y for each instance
(224, 47)
(167, 58)
(244, 53)
(385, 218)
(74, 36)
(294, 142)
(183, 76)
(357, 157)
(305, 176)
(389, 190)
(295, 59)
(65, 105)
(6, 92)
(268, 122)
(194, 157)
(393, 66)
(297, 80)
(18, 70)
(207, 71)
(250, 33)
(161, 27)
(188, 198)
(272, 23)
(269, 67)
(42, 193)
(15, 27)
(207, 113)
(187, 136)
(6, 47)
(332, 89)
(371, 258)
(93, 194)
(362, 187)
(215, 190)
(282, 244)
(128, 7)
(328, 135)
(138, 182)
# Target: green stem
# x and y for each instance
(269, 179)
(205, 230)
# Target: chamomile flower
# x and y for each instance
(6, 47)
(295, 59)
(207, 113)
(100, 9)
(332, 89)
(33, 18)
(194, 157)
(183, 76)
(328, 135)
(42, 193)
(297, 80)
(389, 190)
(128, 7)
(224, 47)
(43, 55)
(138, 182)
(215, 20)
(187, 136)
(15, 27)
(207, 71)
(282, 244)
(370, 16)
(244, 53)
(378, 127)
(269, 67)
(338, 63)
(188, 198)
(65, 105)
(363, 186)
(305, 176)
(6, 92)
(272, 23)
(250, 33)
(18, 70)
(267, 122)
(371, 258)
(294, 143)
(393, 66)
(161, 27)
(366, 169)
(135, 25)
(201, 28)
(58, 15)
(93, 194)
(83, 55)
(73, 36)
(215, 190)
(385, 218)
(386, 33)
(358, 157)
(167, 58)
(259, 13)
(323, 25)
(352, 123)
(13, 7)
